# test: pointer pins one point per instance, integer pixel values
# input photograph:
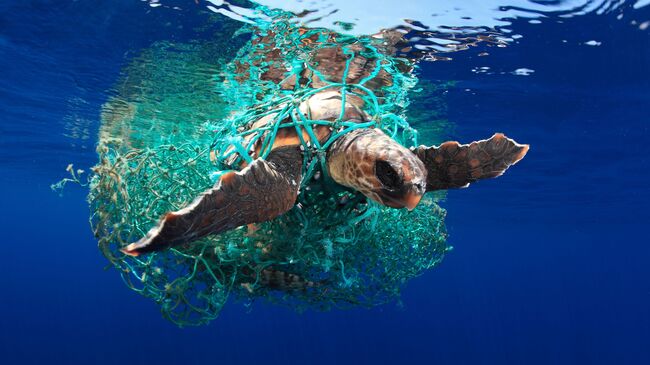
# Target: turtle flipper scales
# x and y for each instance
(260, 192)
(454, 165)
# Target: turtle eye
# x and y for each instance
(387, 175)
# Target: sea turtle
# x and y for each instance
(365, 160)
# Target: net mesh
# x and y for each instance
(333, 249)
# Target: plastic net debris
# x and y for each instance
(333, 249)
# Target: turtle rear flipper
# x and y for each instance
(260, 192)
(452, 165)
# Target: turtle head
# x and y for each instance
(374, 164)
(402, 183)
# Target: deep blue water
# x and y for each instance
(550, 262)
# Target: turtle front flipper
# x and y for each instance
(452, 165)
(262, 191)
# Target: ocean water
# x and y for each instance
(550, 261)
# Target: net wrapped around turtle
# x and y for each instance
(333, 249)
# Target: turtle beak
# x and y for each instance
(411, 200)
(414, 195)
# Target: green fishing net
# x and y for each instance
(173, 129)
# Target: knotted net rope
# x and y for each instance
(333, 249)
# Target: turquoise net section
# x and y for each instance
(333, 249)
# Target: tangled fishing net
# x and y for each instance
(333, 249)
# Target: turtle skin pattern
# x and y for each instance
(454, 165)
(260, 192)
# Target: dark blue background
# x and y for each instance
(551, 261)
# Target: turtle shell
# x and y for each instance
(322, 106)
